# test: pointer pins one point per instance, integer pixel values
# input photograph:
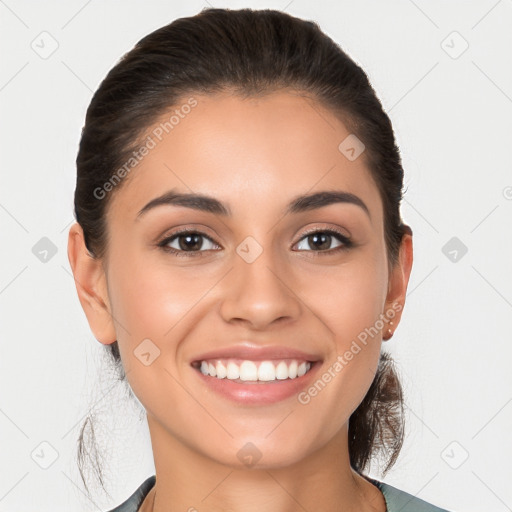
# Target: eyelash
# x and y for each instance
(346, 243)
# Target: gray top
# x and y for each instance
(396, 500)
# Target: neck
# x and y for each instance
(190, 481)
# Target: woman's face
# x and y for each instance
(256, 277)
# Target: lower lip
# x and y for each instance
(259, 392)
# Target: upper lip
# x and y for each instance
(256, 353)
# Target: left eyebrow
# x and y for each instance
(325, 198)
(209, 204)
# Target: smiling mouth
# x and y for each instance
(248, 371)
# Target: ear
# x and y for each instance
(91, 286)
(399, 279)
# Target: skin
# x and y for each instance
(255, 155)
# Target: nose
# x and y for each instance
(260, 293)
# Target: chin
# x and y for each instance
(260, 454)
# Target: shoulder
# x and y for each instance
(398, 500)
(133, 503)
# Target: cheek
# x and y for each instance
(356, 307)
(155, 306)
(149, 297)
(348, 299)
(349, 303)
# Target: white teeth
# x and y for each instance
(221, 371)
(266, 371)
(233, 371)
(282, 371)
(249, 371)
(292, 369)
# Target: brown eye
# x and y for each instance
(186, 243)
(322, 240)
(192, 242)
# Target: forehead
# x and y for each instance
(247, 151)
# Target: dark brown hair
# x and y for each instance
(245, 52)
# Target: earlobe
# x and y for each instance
(90, 282)
(398, 282)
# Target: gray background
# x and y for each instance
(451, 109)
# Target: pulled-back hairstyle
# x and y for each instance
(248, 53)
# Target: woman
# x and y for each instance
(239, 250)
